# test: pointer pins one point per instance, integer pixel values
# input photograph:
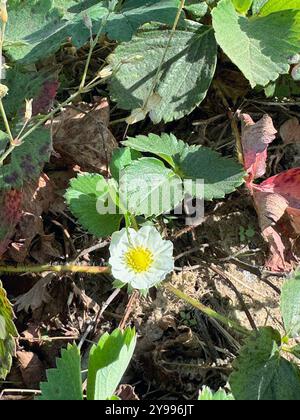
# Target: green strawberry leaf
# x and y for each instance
(165, 146)
(37, 28)
(221, 176)
(196, 8)
(185, 76)
(8, 333)
(87, 196)
(23, 85)
(242, 6)
(208, 395)
(148, 188)
(193, 162)
(257, 6)
(296, 351)
(260, 46)
(122, 158)
(290, 307)
(27, 160)
(64, 383)
(123, 24)
(273, 6)
(108, 362)
(261, 373)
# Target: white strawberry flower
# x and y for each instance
(142, 259)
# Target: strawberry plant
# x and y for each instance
(158, 61)
(108, 362)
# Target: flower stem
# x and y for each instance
(6, 123)
(93, 44)
(55, 269)
(207, 311)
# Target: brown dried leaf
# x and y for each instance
(46, 249)
(31, 368)
(82, 137)
(37, 198)
(290, 131)
(127, 393)
(61, 180)
(36, 296)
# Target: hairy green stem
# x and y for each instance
(157, 76)
(55, 269)
(107, 270)
(2, 110)
(207, 311)
(6, 123)
(93, 44)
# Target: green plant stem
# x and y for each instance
(157, 76)
(6, 123)
(93, 44)
(2, 110)
(3, 29)
(55, 269)
(207, 311)
(106, 270)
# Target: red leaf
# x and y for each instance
(256, 138)
(277, 202)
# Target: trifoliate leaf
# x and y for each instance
(261, 373)
(108, 362)
(184, 78)
(64, 383)
(208, 395)
(290, 306)
(8, 333)
(148, 188)
(122, 158)
(273, 6)
(260, 46)
(88, 197)
(27, 160)
(37, 28)
(193, 162)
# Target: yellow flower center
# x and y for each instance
(139, 259)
